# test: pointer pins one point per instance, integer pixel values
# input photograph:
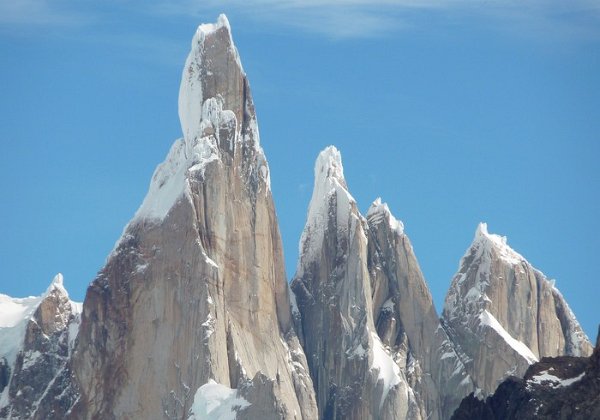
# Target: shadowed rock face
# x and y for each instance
(503, 314)
(563, 387)
(195, 288)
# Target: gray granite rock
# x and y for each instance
(503, 315)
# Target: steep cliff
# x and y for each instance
(503, 314)
(406, 318)
(195, 289)
(36, 339)
(191, 317)
(370, 331)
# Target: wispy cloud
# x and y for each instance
(373, 18)
(19, 13)
(332, 18)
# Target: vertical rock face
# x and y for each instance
(370, 331)
(192, 317)
(406, 318)
(354, 374)
(504, 315)
(195, 290)
(41, 332)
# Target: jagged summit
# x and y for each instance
(486, 241)
(195, 290)
(330, 200)
(192, 315)
(212, 70)
(58, 285)
(218, 123)
(379, 212)
(498, 302)
(329, 168)
(36, 337)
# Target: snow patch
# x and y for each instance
(359, 352)
(73, 329)
(30, 359)
(380, 212)
(167, 185)
(389, 372)
(209, 260)
(330, 186)
(488, 319)
(216, 402)
(546, 378)
(209, 324)
(15, 313)
(388, 305)
(499, 243)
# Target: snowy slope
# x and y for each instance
(503, 314)
(23, 360)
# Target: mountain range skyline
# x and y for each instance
(528, 170)
(192, 315)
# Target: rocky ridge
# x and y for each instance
(37, 335)
(195, 289)
(192, 316)
(372, 337)
(502, 314)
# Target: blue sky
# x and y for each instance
(453, 112)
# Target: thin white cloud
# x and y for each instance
(373, 18)
(331, 18)
(19, 13)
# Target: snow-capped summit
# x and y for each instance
(356, 376)
(330, 200)
(58, 285)
(498, 302)
(370, 331)
(379, 212)
(499, 243)
(36, 338)
(212, 70)
(192, 315)
(218, 123)
(329, 168)
(195, 290)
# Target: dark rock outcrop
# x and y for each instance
(564, 387)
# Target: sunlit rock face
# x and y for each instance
(192, 317)
(195, 289)
(503, 314)
(366, 319)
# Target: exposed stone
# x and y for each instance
(565, 387)
(197, 291)
(362, 299)
(503, 314)
(44, 354)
